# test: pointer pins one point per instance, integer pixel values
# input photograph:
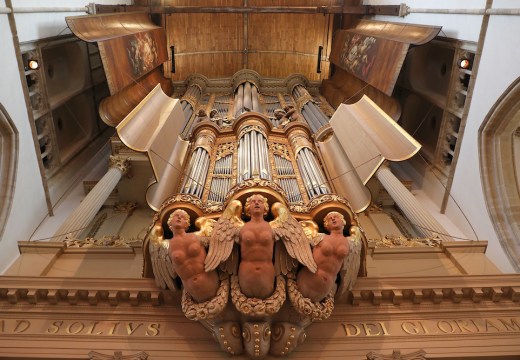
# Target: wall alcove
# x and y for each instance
(499, 151)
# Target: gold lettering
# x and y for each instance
(368, 331)
(91, 330)
(385, 332)
(55, 327)
(489, 324)
(131, 330)
(442, 327)
(347, 330)
(463, 326)
(409, 327)
(21, 326)
(78, 330)
(113, 329)
(513, 326)
(153, 329)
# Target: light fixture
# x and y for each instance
(464, 63)
(33, 64)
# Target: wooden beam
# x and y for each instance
(353, 10)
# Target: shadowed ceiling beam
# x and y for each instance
(359, 10)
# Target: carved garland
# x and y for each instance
(305, 306)
(208, 309)
(258, 307)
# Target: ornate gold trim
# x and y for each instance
(305, 306)
(258, 307)
(208, 309)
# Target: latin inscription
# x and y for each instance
(349, 329)
(431, 327)
(62, 327)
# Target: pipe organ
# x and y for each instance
(254, 130)
(310, 111)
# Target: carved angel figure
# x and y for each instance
(256, 272)
(183, 256)
(334, 253)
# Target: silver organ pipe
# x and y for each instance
(256, 103)
(310, 111)
(253, 157)
(248, 101)
(221, 182)
(288, 183)
(239, 105)
(197, 172)
(246, 98)
(193, 93)
(314, 179)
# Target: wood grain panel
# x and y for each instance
(200, 2)
(275, 65)
(213, 65)
(289, 32)
(295, 2)
(205, 32)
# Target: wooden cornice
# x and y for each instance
(367, 291)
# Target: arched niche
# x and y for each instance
(8, 163)
(499, 152)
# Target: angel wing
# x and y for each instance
(224, 236)
(161, 263)
(310, 228)
(205, 227)
(290, 231)
(350, 269)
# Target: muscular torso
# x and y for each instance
(256, 271)
(187, 255)
(329, 255)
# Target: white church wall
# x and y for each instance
(29, 207)
(457, 26)
(498, 69)
(34, 26)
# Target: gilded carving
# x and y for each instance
(396, 355)
(224, 150)
(241, 252)
(118, 355)
(114, 241)
(208, 309)
(120, 163)
(394, 241)
(280, 150)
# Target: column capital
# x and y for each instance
(121, 163)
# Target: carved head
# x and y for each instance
(213, 113)
(253, 199)
(279, 113)
(202, 113)
(176, 214)
(331, 217)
